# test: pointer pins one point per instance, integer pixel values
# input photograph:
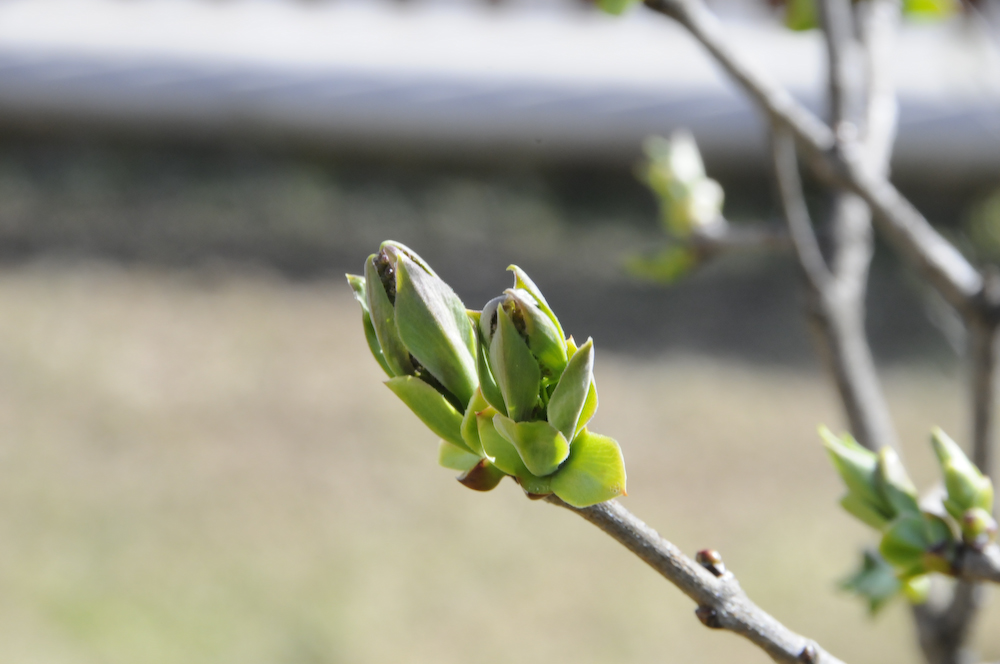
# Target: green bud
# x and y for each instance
(515, 368)
(675, 173)
(894, 484)
(544, 339)
(967, 487)
(979, 528)
(593, 473)
(858, 467)
(415, 324)
(433, 324)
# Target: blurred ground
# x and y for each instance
(200, 466)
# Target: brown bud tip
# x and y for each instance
(484, 476)
(708, 617)
(808, 655)
(711, 560)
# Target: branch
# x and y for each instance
(725, 237)
(975, 565)
(722, 604)
(800, 228)
(913, 236)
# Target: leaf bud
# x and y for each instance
(967, 487)
(420, 333)
(979, 528)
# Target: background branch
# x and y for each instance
(912, 235)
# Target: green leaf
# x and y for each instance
(514, 368)
(801, 15)
(894, 484)
(431, 407)
(615, 7)
(670, 265)
(470, 428)
(967, 486)
(593, 473)
(383, 318)
(857, 467)
(541, 447)
(524, 282)
(487, 384)
(862, 510)
(483, 476)
(570, 396)
(905, 541)
(875, 581)
(503, 455)
(456, 458)
(589, 407)
(435, 328)
(358, 286)
(930, 9)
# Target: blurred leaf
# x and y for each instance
(875, 581)
(615, 7)
(801, 15)
(670, 265)
(931, 9)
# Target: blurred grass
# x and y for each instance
(201, 467)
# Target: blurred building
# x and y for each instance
(525, 79)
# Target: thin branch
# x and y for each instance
(800, 228)
(975, 565)
(722, 604)
(943, 266)
(836, 307)
(726, 237)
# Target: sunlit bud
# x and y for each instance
(420, 333)
(859, 468)
(979, 528)
(967, 487)
(894, 484)
(674, 171)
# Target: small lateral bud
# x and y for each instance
(711, 560)
(809, 654)
(708, 617)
